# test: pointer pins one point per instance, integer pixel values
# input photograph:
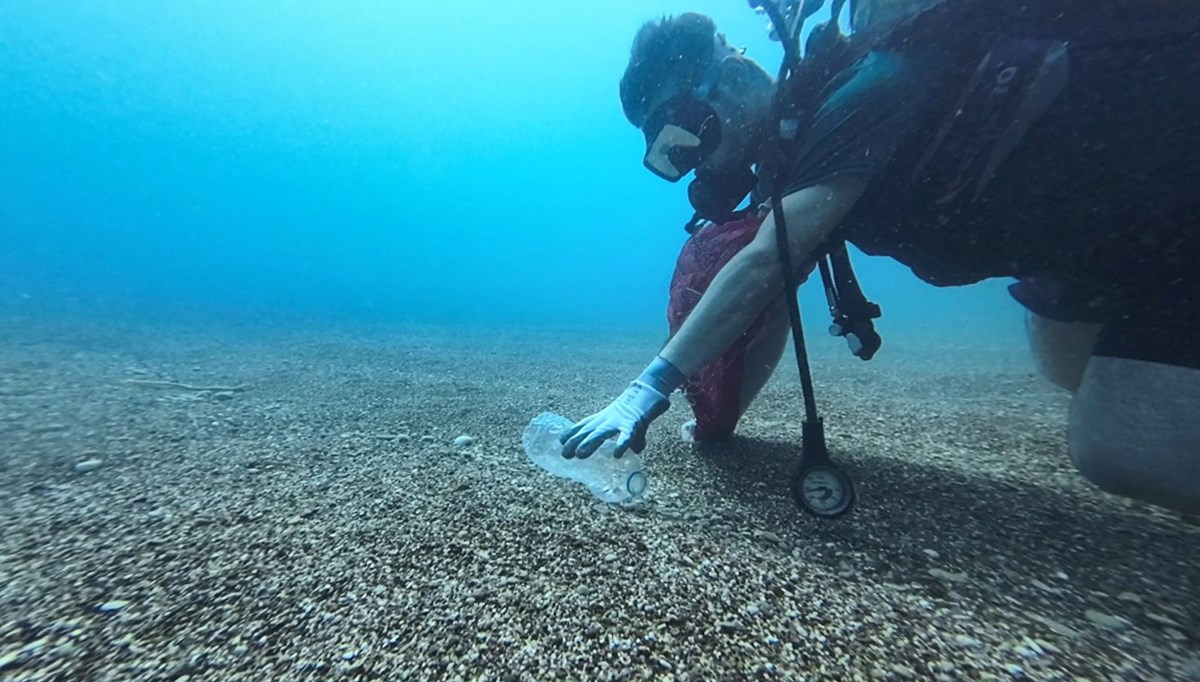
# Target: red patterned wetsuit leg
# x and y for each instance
(715, 392)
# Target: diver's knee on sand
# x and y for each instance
(1134, 431)
(1061, 349)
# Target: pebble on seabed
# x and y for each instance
(112, 606)
(1106, 620)
(463, 441)
(87, 465)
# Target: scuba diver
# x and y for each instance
(1057, 143)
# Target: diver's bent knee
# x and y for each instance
(1108, 467)
(1133, 431)
(1060, 349)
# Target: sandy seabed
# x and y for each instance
(318, 521)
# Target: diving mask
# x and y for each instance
(685, 130)
(680, 135)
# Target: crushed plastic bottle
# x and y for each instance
(612, 479)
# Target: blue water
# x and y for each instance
(410, 161)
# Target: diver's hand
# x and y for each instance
(627, 417)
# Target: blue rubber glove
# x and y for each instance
(628, 416)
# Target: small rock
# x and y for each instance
(159, 514)
(1014, 670)
(1106, 620)
(1047, 646)
(1029, 649)
(904, 671)
(350, 655)
(112, 606)
(87, 465)
(731, 626)
(49, 428)
(1057, 627)
(1130, 597)
(687, 432)
(1162, 620)
(223, 396)
(931, 553)
(948, 576)
(463, 441)
(611, 556)
(768, 536)
(593, 630)
(967, 642)
(403, 437)
(11, 659)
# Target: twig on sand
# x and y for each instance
(149, 383)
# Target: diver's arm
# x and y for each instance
(739, 292)
(753, 277)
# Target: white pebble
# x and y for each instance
(10, 659)
(1106, 620)
(112, 606)
(687, 432)
(87, 465)
(463, 441)
(966, 642)
(948, 576)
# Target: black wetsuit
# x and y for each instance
(1063, 159)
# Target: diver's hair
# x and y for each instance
(668, 55)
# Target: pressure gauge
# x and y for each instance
(823, 490)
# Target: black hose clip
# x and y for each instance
(859, 331)
(853, 315)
